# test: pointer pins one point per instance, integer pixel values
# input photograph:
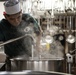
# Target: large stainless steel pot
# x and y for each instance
(30, 72)
(37, 64)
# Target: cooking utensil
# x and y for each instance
(12, 40)
(30, 72)
(70, 38)
(36, 64)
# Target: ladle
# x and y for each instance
(70, 38)
(15, 39)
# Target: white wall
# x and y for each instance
(1, 10)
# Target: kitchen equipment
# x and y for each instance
(30, 72)
(70, 38)
(15, 39)
(36, 64)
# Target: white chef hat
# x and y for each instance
(12, 6)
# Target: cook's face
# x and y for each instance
(15, 19)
